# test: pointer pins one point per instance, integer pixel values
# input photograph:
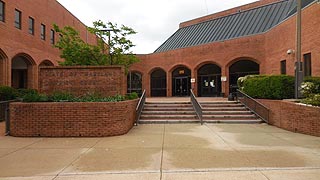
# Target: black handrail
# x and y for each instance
(140, 106)
(256, 107)
(196, 106)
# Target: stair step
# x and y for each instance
(235, 121)
(184, 116)
(223, 108)
(168, 103)
(227, 113)
(166, 121)
(228, 116)
(220, 105)
(167, 112)
(168, 109)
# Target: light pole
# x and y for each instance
(109, 41)
(298, 68)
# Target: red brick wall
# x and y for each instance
(266, 49)
(72, 119)
(14, 41)
(79, 80)
(294, 117)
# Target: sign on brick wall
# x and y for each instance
(79, 80)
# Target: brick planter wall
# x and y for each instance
(294, 117)
(68, 119)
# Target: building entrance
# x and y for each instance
(209, 81)
(181, 84)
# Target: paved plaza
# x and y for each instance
(168, 152)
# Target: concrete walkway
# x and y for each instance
(167, 152)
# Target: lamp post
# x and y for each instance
(298, 68)
(109, 41)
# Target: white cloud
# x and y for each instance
(154, 20)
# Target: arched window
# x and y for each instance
(181, 84)
(158, 83)
(209, 81)
(134, 82)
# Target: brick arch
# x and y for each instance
(3, 69)
(177, 66)
(230, 63)
(205, 63)
(46, 63)
(23, 73)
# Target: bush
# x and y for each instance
(132, 96)
(34, 97)
(7, 93)
(61, 96)
(23, 92)
(313, 100)
(269, 87)
(316, 84)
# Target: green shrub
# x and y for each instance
(59, 96)
(22, 92)
(313, 100)
(7, 93)
(316, 82)
(35, 97)
(132, 96)
(269, 87)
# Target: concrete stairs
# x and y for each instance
(227, 112)
(182, 112)
(168, 112)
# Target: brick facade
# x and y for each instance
(19, 43)
(79, 80)
(294, 117)
(72, 119)
(266, 49)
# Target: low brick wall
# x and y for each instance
(68, 119)
(294, 117)
(79, 80)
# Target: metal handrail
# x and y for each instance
(140, 106)
(196, 106)
(255, 106)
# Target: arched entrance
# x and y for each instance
(240, 69)
(209, 81)
(134, 82)
(46, 63)
(181, 84)
(21, 72)
(158, 83)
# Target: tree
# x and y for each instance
(77, 52)
(114, 51)
(117, 43)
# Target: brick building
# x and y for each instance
(27, 38)
(208, 54)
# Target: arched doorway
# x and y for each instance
(46, 63)
(240, 69)
(158, 83)
(21, 72)
(209, 81)
(134, 82)
(181, 84)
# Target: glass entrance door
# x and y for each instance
(181, 86)
(210, 86)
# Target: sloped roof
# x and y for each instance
(250, 22)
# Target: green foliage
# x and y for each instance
(34, 96)
(313, 100)
(119, 46)
(61, 96)
(269, 87)
(316, 83)
(7, 93)
(132, 96)
(77, 52)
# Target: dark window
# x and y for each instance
(283, 65)
(17, 19)
(307, 64)
(52, 36)
(31, 25)
(43, 32)
(2, 11)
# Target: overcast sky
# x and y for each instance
(154, 20)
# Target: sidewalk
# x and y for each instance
(167, 152)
